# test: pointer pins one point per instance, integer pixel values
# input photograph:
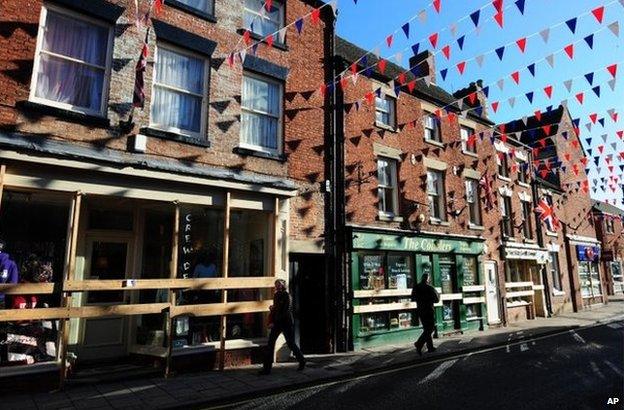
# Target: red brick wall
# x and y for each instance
(304, 126)
(611, 242)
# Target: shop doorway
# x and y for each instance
(491, 289)
(107, 258)
(307, 284)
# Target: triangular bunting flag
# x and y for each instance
(520, 5)
(475, 17)
(569, 49)
(433, 39)
(598, 13)
(460, 42)
(521, 43)
(531, 69)
(406, 29)
(590, 41)
(572, 25)
(568, 85)
(500, 52)
(545, 34)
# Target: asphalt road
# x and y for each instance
(575, 370)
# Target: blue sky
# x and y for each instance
(368, 23)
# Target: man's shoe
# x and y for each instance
(302, 365)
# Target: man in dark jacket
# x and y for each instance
(283, 322)
(425, 297)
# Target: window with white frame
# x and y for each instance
(609, 224)
(179, 92)
(72, 62)
(527, 221)
(473, 190)
(523, 172)
(436, 193)
(432, 128)
(555, 271)
(205, 6)
(503, 164)
(468, 139)
(507, 216)
(387, 186)
(261, 21)
(261, 119)
(385, 111)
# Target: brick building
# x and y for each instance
(574, 279)
(412, 199)
(187, 209)
(608, 221)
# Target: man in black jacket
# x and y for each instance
(283, 322)
(425, 297)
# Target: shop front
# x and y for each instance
(590, 281)
(112, 267)
(385, 267)
(524, 287)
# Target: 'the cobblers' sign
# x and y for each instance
(588, 253)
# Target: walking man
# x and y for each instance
(282, 322)
(425, 297)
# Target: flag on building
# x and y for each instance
(486, 185)
(138, 100)
(546, 213)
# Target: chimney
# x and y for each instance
(479, 99)
(423, 65)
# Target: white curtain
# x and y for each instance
(66, 81)
(179, 109)
(259, 20)
(203, 5)
(260, 128)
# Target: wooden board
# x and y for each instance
(27, 288)
(221, 309)
(383, 307)
(190, 284)
(382, 293)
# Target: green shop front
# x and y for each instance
(384, 268)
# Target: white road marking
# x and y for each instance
(461, 342)
(524, 347)
(508, 349)
(578, 337)
(614, 368)
(596, 370)
(439, 371)
(615, 325)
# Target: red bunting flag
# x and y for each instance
(343, 83)
(323, 89)
(446, 50)
(498, 5)
(401, 79)
(268, 5)
(472, 97)
(516, 77)
(598, 13)
(461, 67)
(612, 70)
(354, 69)
(411, 85)
(538, 115)
(437, 4)
(389, 40)
(499, 17)
(433, 39)
(548, 90)
(382, 65)
(546, 129)
(158, 5)
(370, 97)
(247, 37)
(593, 118)
(269, 40)
(521, 44)
(580, 97)
(495, 106)
(316, 16)
(569, 49)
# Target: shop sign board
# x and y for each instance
(527, 254)
(588, 253)
(366, 240)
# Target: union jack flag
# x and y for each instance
(486, 185)
(138, 99)
(547, 214)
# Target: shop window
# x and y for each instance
(473, 193)
(250, 247)
(400, 272)
(468, 140)
(585, 279)
(432, 128)
(527, 221)
(387, 188)
(180, 92)
(448, 274)
(387, 270)
(473, 311)
(436, 195)
(517, 271)
(372, 273)
(554, 271)
(261, 21)
(470, 271)
(261, 113)
(106, 219)
(72, 62)
(34, 228)
(385, 111)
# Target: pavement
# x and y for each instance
(239, 385)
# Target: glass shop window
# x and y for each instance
(471, 273)
(250, 247)
(448, 274)
(386, 270)
(34, 228)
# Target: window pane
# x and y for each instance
(383, 171)
(259, 20)
(177, 110)
(400, 271)
(180, 71)
(69, 83)
(202, 5)
(75, 38)
(259, 95)
(388, 200)
(259, 130)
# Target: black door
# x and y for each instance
(307, 286)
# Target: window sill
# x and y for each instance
(553, 234)
(71, 116)
(386, 127)
(248, 152)
(502, 178)
(390, 217)
(531, 241)
(476, 227)
(470, 154)
(524, 184)
(198, 13)
(258, 37)
(557, 292)
(172, 136)
(435, 143)
(508, 238)
(438, 222)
